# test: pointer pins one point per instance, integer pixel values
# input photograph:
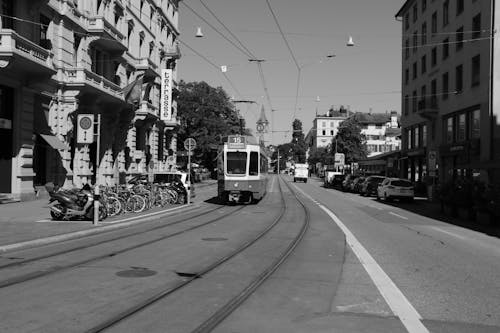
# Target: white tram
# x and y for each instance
(242, 166)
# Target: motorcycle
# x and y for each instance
(74, 204)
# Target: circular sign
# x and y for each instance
(260, 127)
(85, 123)
(190, 144)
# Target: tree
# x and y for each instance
(298, 143)
(207, 115)
(320, 155)
(350, 141)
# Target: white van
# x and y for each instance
(301, 172)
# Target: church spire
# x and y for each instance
(262, 119)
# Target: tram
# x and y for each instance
(242, 170)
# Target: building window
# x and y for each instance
(461, 130)
(415, 13)
(407, 21)
(446, 7)
(475, 126)
(446, 48)
(476, 71)
(434, 57)
(446, 87)
(407, 104)
(424, 135)
(414, 70)
(331, 132)
(433, 94)
(416, 137)
(423, 37)
(460, 7)
(407, 76)
(408, 138)
(424, 5)
(434, 23)
(449, 130)
(423, 64)
(415, 41)
(459, 35)
(323, 124)
(476, 26)
(414, 102)
(459, 79)
(324, 132)
(407, 49)
(7, 9)
(423, 93)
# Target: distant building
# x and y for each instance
(381, 131)
(325, 127)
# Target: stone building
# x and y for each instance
(62, 58)
(450, 89)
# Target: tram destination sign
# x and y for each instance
(236, 141)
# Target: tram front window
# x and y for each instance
(236, 163)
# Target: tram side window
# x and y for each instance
(236, 163)
(254, 164)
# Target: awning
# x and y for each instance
(54, 142)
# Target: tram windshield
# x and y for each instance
(236, 163)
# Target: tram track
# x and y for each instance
(62, 267)
(225, 310)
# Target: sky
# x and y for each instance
(365, 77)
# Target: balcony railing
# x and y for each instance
(147, 109)
(100, 25)
(147, 64)
(12, 44)
(428, 107)
(82, 76)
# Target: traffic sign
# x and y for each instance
(339, 159)
(190, 144)
(85, 131)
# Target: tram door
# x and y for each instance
(220, 171)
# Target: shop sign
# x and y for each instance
(339, 159)
(457, 148)
(166, 95)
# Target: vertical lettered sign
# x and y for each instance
(166, 95)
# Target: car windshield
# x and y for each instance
(236, 163)
(401, 183)
(376, 179)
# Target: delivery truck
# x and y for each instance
(301, 172)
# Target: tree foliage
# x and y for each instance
(350, 141)
(207, 115)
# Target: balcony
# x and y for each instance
(146, 110)
(111, 38)
(172, 123)
(428, 108)
(172, 52)
(149, 67)
(24, 56)
(91, 82)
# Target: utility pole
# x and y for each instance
(278, 161)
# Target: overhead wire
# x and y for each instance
(292, 55)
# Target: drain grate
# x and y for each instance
(136, 272)
(214, 239)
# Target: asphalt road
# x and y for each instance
(448, 274)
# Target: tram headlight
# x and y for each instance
(235, 184)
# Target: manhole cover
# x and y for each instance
(136, 272)
(214, 239)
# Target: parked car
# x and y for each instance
(370, 185)
(346, 184)
(356, 184)
(395, 188)
(168, 177)
(337, 180)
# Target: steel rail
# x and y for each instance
(55, 269)
(235, 302)
(125, 314)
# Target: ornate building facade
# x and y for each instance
(62, 58)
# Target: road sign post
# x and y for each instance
(189, 145)
(96, 186)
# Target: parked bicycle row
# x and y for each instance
(134, 197)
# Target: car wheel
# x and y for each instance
(378, 197)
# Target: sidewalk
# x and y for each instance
(28, 224)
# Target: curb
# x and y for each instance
(101, 228)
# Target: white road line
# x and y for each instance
(400, 216)
(396, 300)
(447, 232)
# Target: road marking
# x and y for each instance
(400, 216)
(447, 232)
(396, 300)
